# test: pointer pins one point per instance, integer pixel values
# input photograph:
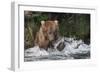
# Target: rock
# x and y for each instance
(61, 46)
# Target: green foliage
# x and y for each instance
(37, 19)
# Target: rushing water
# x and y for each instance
(73, 49)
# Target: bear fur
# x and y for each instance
(47, 34)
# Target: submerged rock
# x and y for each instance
(61, 46)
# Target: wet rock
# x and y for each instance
(78, 45)
(81, 55)
(61, 46)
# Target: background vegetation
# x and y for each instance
(70, 25)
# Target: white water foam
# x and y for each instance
(72, 47)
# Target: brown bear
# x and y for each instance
(47, 33)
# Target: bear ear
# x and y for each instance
(56, 21)
(42, 22)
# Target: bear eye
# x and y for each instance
(50, 32)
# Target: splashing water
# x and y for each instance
(74, 49)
